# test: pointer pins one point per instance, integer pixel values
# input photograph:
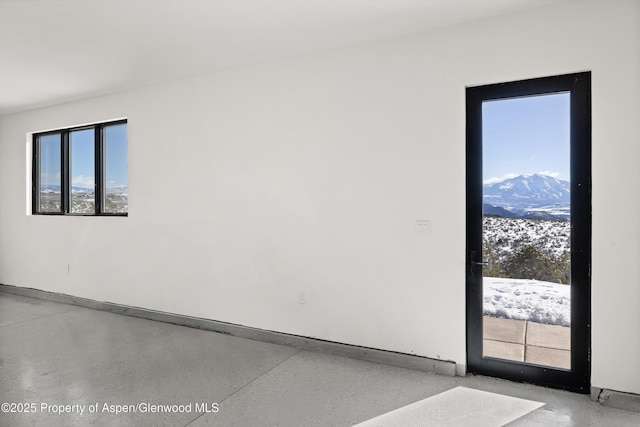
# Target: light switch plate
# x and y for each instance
(423, 227)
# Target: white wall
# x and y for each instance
(249, 186)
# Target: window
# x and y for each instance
(81, 171)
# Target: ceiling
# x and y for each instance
(55, 51)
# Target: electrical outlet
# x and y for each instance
(302, 297)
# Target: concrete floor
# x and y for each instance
(57, 354)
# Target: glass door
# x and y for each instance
(528, 230)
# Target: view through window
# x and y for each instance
(81, 171)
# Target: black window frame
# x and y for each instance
(65, 170)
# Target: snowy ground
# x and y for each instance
(533, 300)
(507, 234)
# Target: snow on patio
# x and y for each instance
(534, 300)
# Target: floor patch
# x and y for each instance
(459, 406)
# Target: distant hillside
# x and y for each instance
(491, 210)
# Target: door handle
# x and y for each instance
(485, 263)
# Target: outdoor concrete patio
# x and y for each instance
(525, 341)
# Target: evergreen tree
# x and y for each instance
(529, 262)
(489, 253)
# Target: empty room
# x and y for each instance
(319, 212)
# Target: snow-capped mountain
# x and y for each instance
(54, 188)
(530, 195)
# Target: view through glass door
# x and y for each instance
(526, 229)
(529, 230)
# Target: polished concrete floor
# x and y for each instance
(55, 354)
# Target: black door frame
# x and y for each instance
(578, 378)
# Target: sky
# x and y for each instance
(50, 160)
(116, 156)
(526, 135)
(82, 158)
